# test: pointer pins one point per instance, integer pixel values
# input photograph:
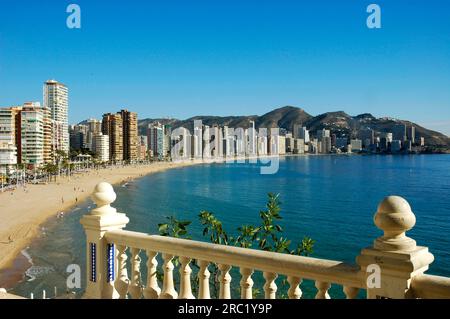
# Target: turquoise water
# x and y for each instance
(329, 198)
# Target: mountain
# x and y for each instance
(340, 123)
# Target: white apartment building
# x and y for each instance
(32, 137)
(252, 139)
(102, 147)
(8, 158)
(94, 127)
(56, 99)
(301, 132)
(356, 145)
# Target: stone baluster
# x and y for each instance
(294, 291)
(394, 259)
(123, 283)
(152, 290)
(185, 279)
(168, 291)
(225, 280)
(351, 292)
(270, 287)
(246, 283)
(135, 284)
(322, 290)
(101, 256)
(203, 280)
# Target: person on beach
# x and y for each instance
(62, 200)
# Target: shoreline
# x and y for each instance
(23, 226)
(24, 210)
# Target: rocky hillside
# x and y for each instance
(338, 122)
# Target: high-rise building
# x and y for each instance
(326, 145)
(7, 126)
(399, 132)
(8, 148)
(130, 135)
(56, 100)
(252, 140)
(299, 146)
(78, 136)
(341, 142)
(8, 157)
(421, 141)
(216, 139)
(142, 147)
(411, 134)
(290, 141)
(156, 140)
(388, 136)
(305, 135)
(32, 135)
(356, 145)
(112, 126)
(323, 133)
(296, 130)
(10, 128)
(367, 137)
(94, 127)
(102, 147)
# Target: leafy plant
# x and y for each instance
(266, 236)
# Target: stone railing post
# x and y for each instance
(394, 259)
(101, 257)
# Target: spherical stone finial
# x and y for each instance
(394, 216)
(103, 196)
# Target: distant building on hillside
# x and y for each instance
(411, 134)
(399, 132)
(356, 145)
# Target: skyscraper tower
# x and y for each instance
(112, 126)
(130, 135)
(56, 100)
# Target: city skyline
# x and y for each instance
(224, 58)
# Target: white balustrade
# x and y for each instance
(270, 287)
(402, 262)
(294, 291)
(168, 291)
(246, 283)
(203, 279)
(322, 290)
(152, 290)
(122, 284)
(225, 280)
(185, 280)
(135, 288)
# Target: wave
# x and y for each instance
(25, 253)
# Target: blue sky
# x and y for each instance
(176, 58)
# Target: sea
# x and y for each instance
(331, 199)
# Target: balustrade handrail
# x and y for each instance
(284, 264)
(430, 286)
(393, 267)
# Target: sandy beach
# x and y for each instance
(25, 209)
